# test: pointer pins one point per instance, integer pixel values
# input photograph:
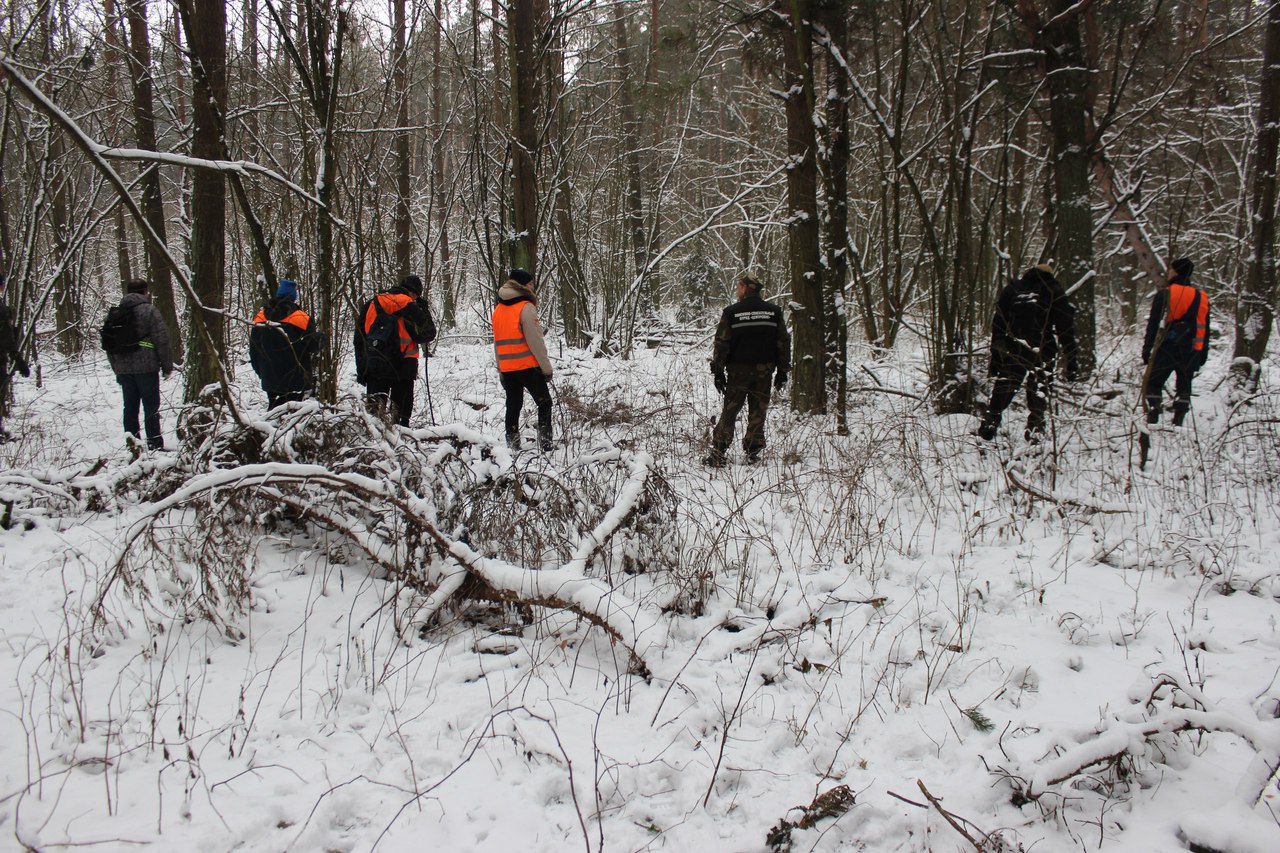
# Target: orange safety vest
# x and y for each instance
(1181, 298)
(298, 318)
(391, 303)
(509, 343)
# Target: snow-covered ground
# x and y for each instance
(879, 610)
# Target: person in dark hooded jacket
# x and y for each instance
(1033, 321)
(388, 376)
(138, 371)
(10, 358)
(282, 345)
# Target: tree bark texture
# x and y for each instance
(150, 194)
(400, 82)
(1067, 80)
(808, 389)
(1255, 311)
(207, 38)
(525, 28)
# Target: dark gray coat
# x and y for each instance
(153, 355)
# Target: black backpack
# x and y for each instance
(382, 343)
(120, 333)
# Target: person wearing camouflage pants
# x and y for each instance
(751, 343)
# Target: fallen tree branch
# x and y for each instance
(1015, 477)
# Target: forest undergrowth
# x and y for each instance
(319, 632)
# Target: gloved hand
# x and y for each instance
(780, 379)
(720, 381)
(167, 373)
(23, 367)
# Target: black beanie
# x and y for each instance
(1183, 267)
(520, 276)
(413, 284)
(135, 285)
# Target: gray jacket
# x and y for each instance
(153, 355)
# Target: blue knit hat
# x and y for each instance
(288, 289)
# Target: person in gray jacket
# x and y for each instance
(138, 367)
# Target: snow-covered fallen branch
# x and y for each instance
(392, 502)
(1019, 481)
(1172, 706)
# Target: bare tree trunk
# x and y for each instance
(1067, 80)
(630, 139)
(837, 213)
(444, 276)
(808, 390)
(152, 202)
(1255, 311)
(574, 315)
(67, 310)
(400, 82)
(526, 23)
(111, 58)
(206, 26)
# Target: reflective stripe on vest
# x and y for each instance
(391, 303)
(1181, 298)
(509, 343)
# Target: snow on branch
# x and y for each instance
(419, 503)
(239, 167)
(1171, 706)
(1018, 478)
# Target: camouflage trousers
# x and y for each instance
(749, 385)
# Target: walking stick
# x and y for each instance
(426, 381)
(1144, 437)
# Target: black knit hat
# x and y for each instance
(135, 285)
(413, 284)
(1182, 267)
(520, 276)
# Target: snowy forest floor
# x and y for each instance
(1069, 652)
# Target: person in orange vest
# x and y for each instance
(521, 354)
(282, 345)
(391, 330)
(1181, 347)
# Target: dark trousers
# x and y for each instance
(142, 390)
(1160, 372)
(749, 385)
(393, 394)
(1009, 376)
(515, 383)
